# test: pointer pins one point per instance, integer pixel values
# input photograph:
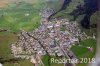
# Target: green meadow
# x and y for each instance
(82, 52)
(20, 16)
(47, 61)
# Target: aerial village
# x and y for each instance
(52, 37)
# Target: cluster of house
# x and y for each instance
(48, 38)
(46, 13)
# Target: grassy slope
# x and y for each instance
(82, 52)
(21, 63)
(93, 20)
(46, 58)
(72, 5)
(13, 17)
(6, 39)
